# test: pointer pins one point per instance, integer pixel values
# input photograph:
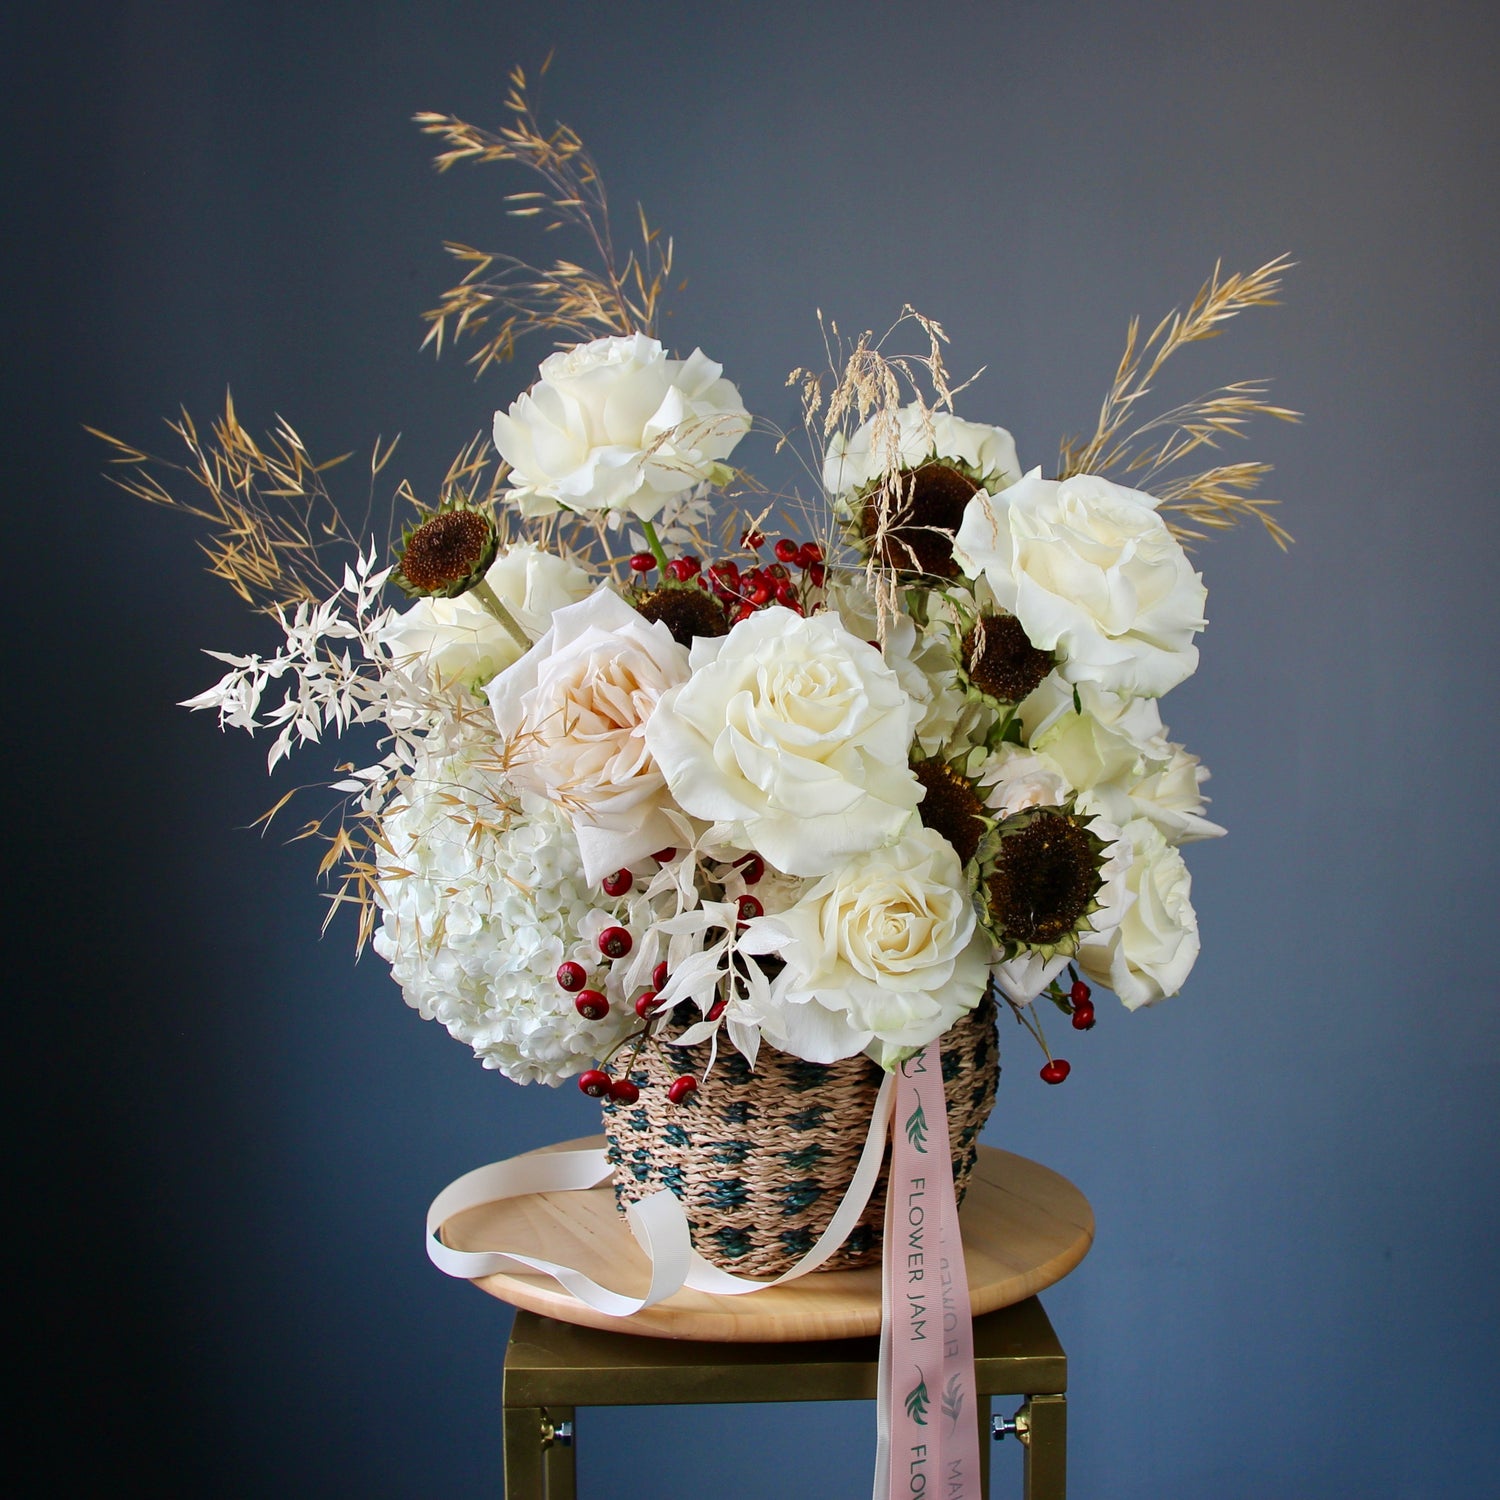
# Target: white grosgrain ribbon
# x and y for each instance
(926, 1402)
(658, 1223)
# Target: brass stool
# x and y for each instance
(552, 1368)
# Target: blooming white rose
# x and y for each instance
(460, 641)
(1092, 572)
(617, 426)
(572, 713)
(792, 735)
(910, 437)
(1152, 951)
(1012, 779)
(881, 955)
(1117, 756)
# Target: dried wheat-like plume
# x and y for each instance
(1142, 450)
(268, 508)
(870, 384)
(507, 298)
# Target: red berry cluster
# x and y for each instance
(743, 591)
(615, 942)
(1080, 1005)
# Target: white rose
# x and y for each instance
(1011, 780)
(1117, 755)
(910, 437)
(617, 426)
(572, 713)
(1091, 571)
(792, 735)
(460, 641)
(881, 954)
(1150, 954)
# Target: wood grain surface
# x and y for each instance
(1024, 1228)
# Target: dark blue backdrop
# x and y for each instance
(226, 1132)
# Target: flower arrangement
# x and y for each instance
(666, 760)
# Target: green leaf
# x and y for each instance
(916, 1129)
(916, 1401)
(953, 1400)
(1077, 702)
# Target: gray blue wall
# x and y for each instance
(230, 1131)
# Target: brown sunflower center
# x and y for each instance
(950, 806)
(912, 532)
(685, 612)
(1001, 661)
(1046, 875)
(446, 549)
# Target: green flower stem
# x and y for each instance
(492, 602)
(654, 543)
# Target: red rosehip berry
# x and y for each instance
(1056, 1070)
(645, 1003)
(594, 1083)
(683, 568)
(716, 1010)
(1083, 1015)
(750, 908)
(786, 550)
(659, 975)
(615, 942)
(1079, 993)
(618, 884)
(680, 1088)
(664, 856)
(760, 594)
(755, 539)
(571, 976)
(809, 553)
(816, 573)
(752, 869)
(777, 573)
(785, 593)
(591, 1005)
(724, 575)
(623, 1091)
(641, 562)
(743, 613)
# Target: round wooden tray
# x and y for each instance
(1024, 1228)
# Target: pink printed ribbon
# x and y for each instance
(928, 1445)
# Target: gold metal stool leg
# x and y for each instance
(525, 1477)
(985, 1439)
(539, 1462)
(1046, 1448)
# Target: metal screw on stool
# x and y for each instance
(560, 1433)
(1019, 1425)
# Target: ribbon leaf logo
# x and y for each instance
(916, 1129)
(953, 1401)
(916, 1401)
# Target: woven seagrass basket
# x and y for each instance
(761, 1159)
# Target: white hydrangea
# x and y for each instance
(478, 911)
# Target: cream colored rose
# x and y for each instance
(615, 425)
(460, 641)
(1151, 953)
(1117, 755)
(791, 735)
(910, 437)
(881, 955)
(1091, 571)
(572, 714)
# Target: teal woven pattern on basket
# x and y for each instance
(761, 1158)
